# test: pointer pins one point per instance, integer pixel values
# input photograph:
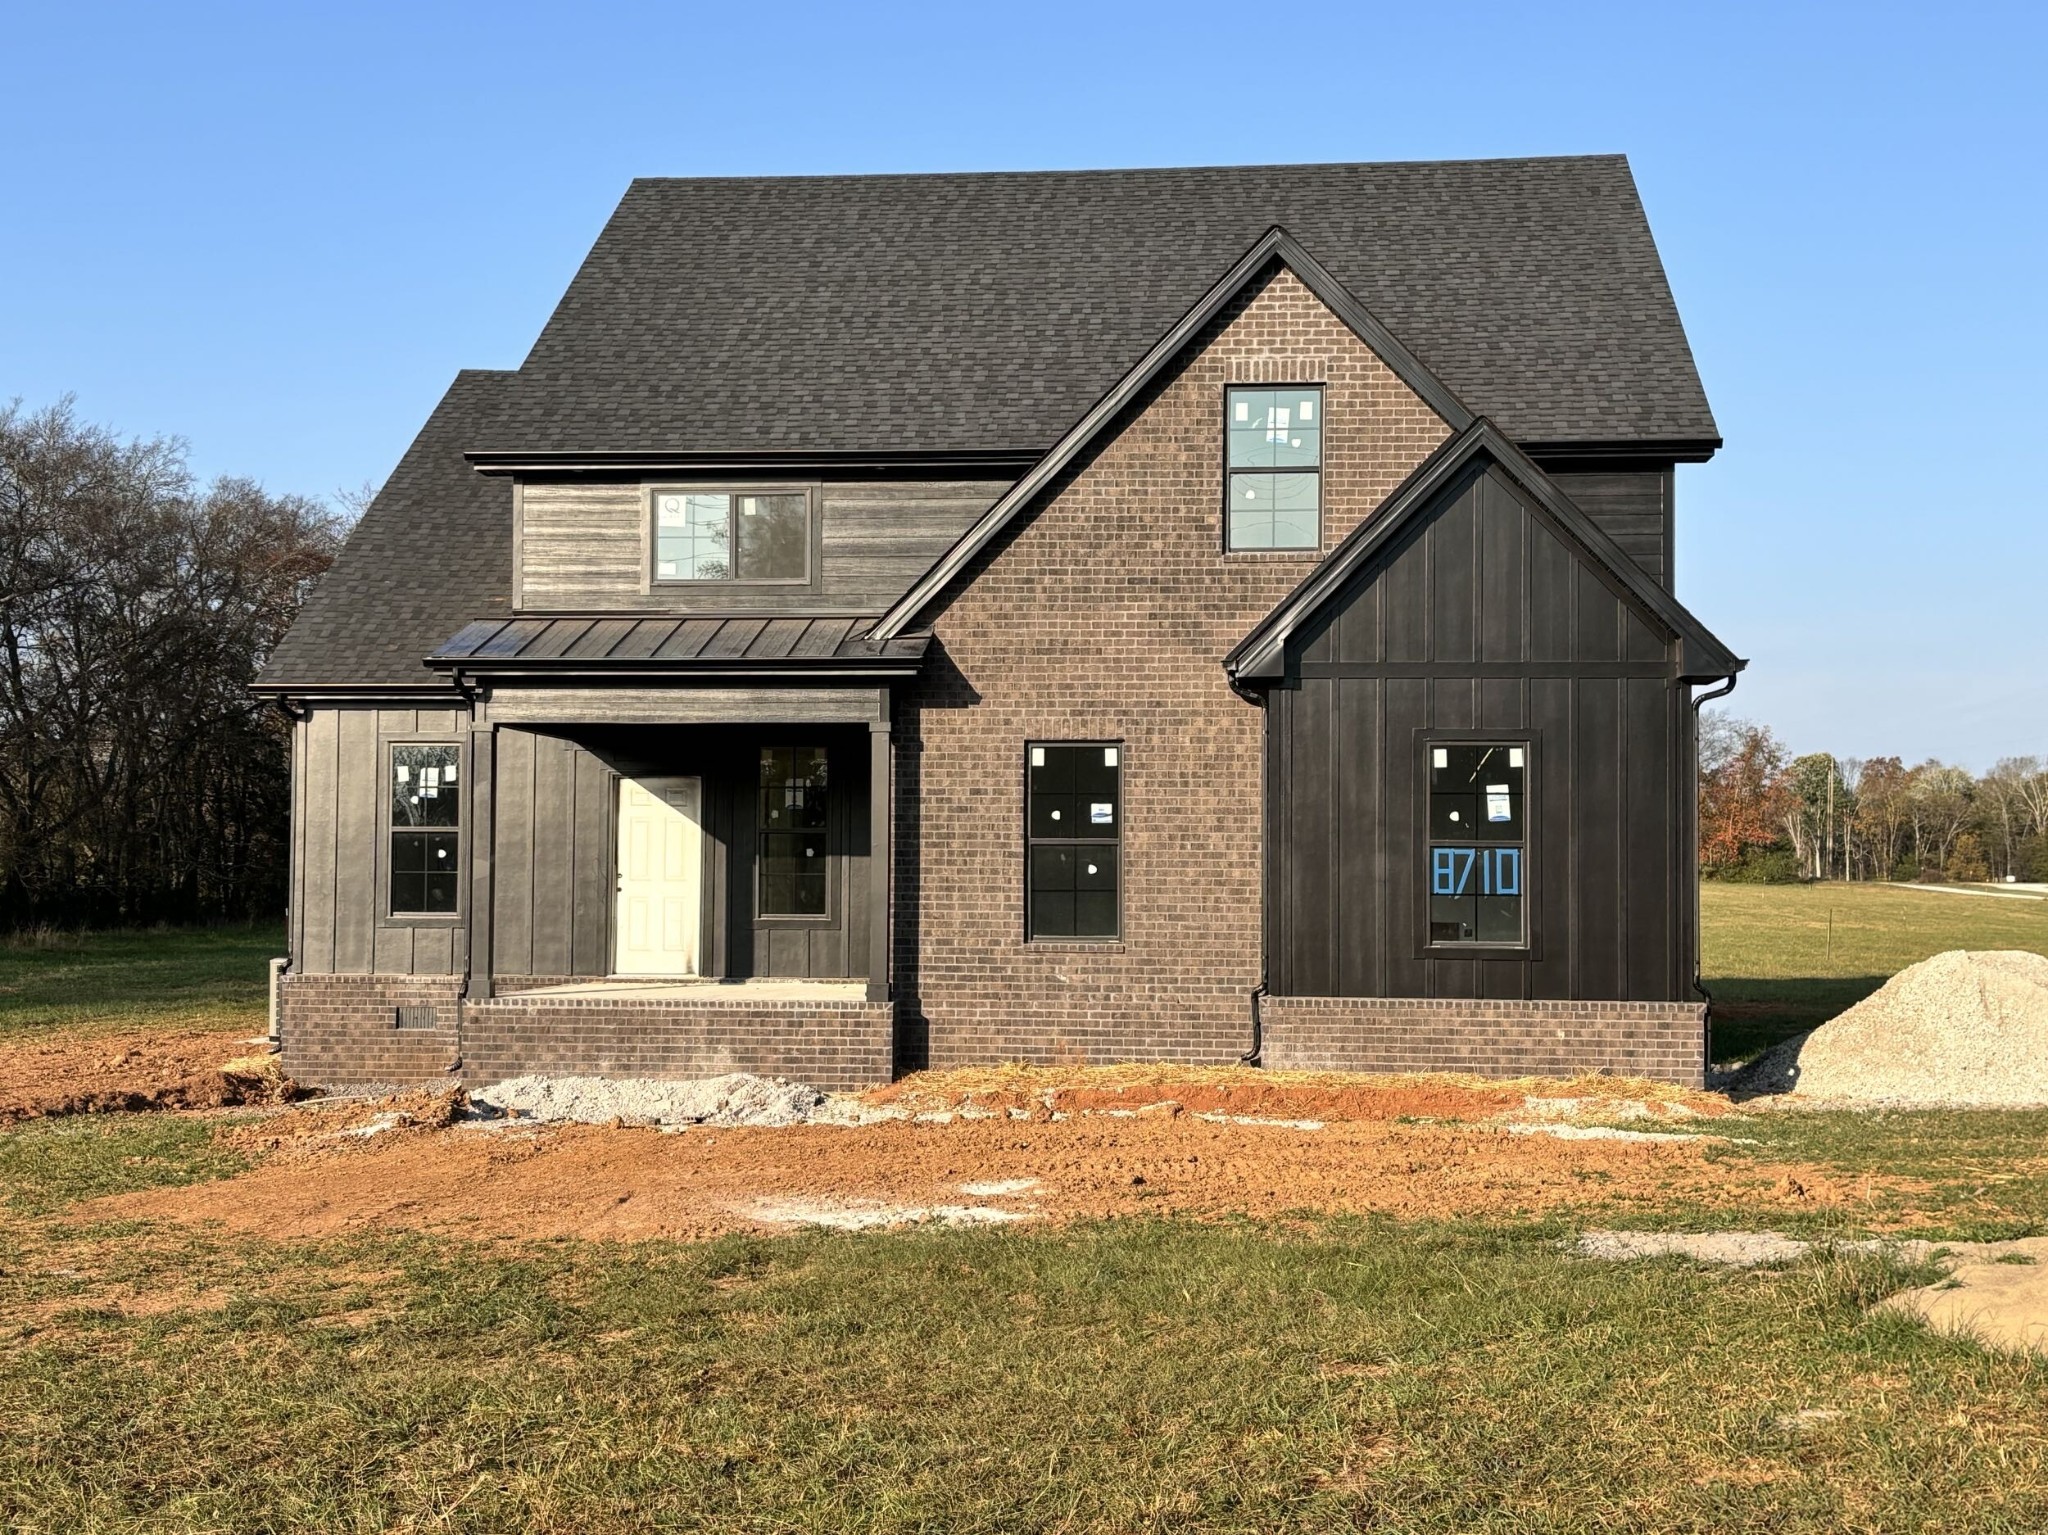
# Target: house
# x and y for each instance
(921, 620)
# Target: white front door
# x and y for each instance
(661, 852)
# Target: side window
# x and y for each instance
(425, 831)
(1478, 848)
(735, 535)
(1073, 841)
(795, 825)
(1274, 474)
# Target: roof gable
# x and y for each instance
(1275, 248)
(1261, 655)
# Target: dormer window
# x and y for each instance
(1274, 459)
(745, 535)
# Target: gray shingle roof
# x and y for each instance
(971, 312)
(434, 549)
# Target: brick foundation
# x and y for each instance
(340, 1030)
(1664, 1041)
(837, 1045)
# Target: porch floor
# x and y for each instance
(736, 993)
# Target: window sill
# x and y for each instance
(1073, 945)
(1263, 556)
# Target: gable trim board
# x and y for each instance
(1275, 247)
(1261, 655)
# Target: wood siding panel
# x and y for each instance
(583, 546)
(323, 765)
(1484, 583)
(1632, 506)
(358, 831)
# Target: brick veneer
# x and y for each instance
(833, 1044)
(1664, 1041)
(338, 1030)
(1106, 616)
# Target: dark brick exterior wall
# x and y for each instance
(339, 1031)
(836, 1045)
(1664, 1041)
(1106, 616)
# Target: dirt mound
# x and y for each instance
(1242, 1091)
(118, 1073)
(1962, 1029)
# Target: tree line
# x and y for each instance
(139, 779)
(1768, 815)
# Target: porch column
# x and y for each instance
(881, 849)
(482, 907)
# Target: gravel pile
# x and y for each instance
(736, 1099)
(1964, 1028)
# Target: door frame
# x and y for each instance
(615, 932)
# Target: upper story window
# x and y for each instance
(1478, 842)
(732, 535)
(425, 831)
(1274, 460)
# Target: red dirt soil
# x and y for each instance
(529, 1182)
(121, 1072)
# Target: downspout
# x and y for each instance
(1698, 982)
(1252, 1056)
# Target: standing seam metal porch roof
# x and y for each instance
(627, 643)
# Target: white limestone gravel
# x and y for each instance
(734, 1099)
(1963, 1029)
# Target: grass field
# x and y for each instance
(1780, 959)
(1126, 1375)
(160, 977)
(1123, 1375)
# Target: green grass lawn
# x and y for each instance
(195, 977)
(1126, 1375)
(1780, 959)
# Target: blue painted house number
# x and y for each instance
(1451, 870)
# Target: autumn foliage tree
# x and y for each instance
(1745, 794)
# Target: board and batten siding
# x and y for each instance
(338, 925)
(1482, 618)
(1631, 506)
(583, 546)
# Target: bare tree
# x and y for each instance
(138, 778)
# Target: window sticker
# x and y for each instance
(1038, 756)
(1100, 814)
(404, 773)
(672, 511)
(1109, 756)
(1514, 757)
(448, 773)
(1497, 807)
(1276, 424)
(1441, 757)
(1308, 411)
(1452, 870)
(430, 778)
(1244, 410)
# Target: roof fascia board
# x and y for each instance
(1276, 243)
(534, 673)
(1260, 654)
(1591, 453)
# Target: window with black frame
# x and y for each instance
(1074, 841)
(717, 535)
(1275, 462)
(793, 879)
(425, 831)
(1478, 843)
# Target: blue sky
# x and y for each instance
(277, 231)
